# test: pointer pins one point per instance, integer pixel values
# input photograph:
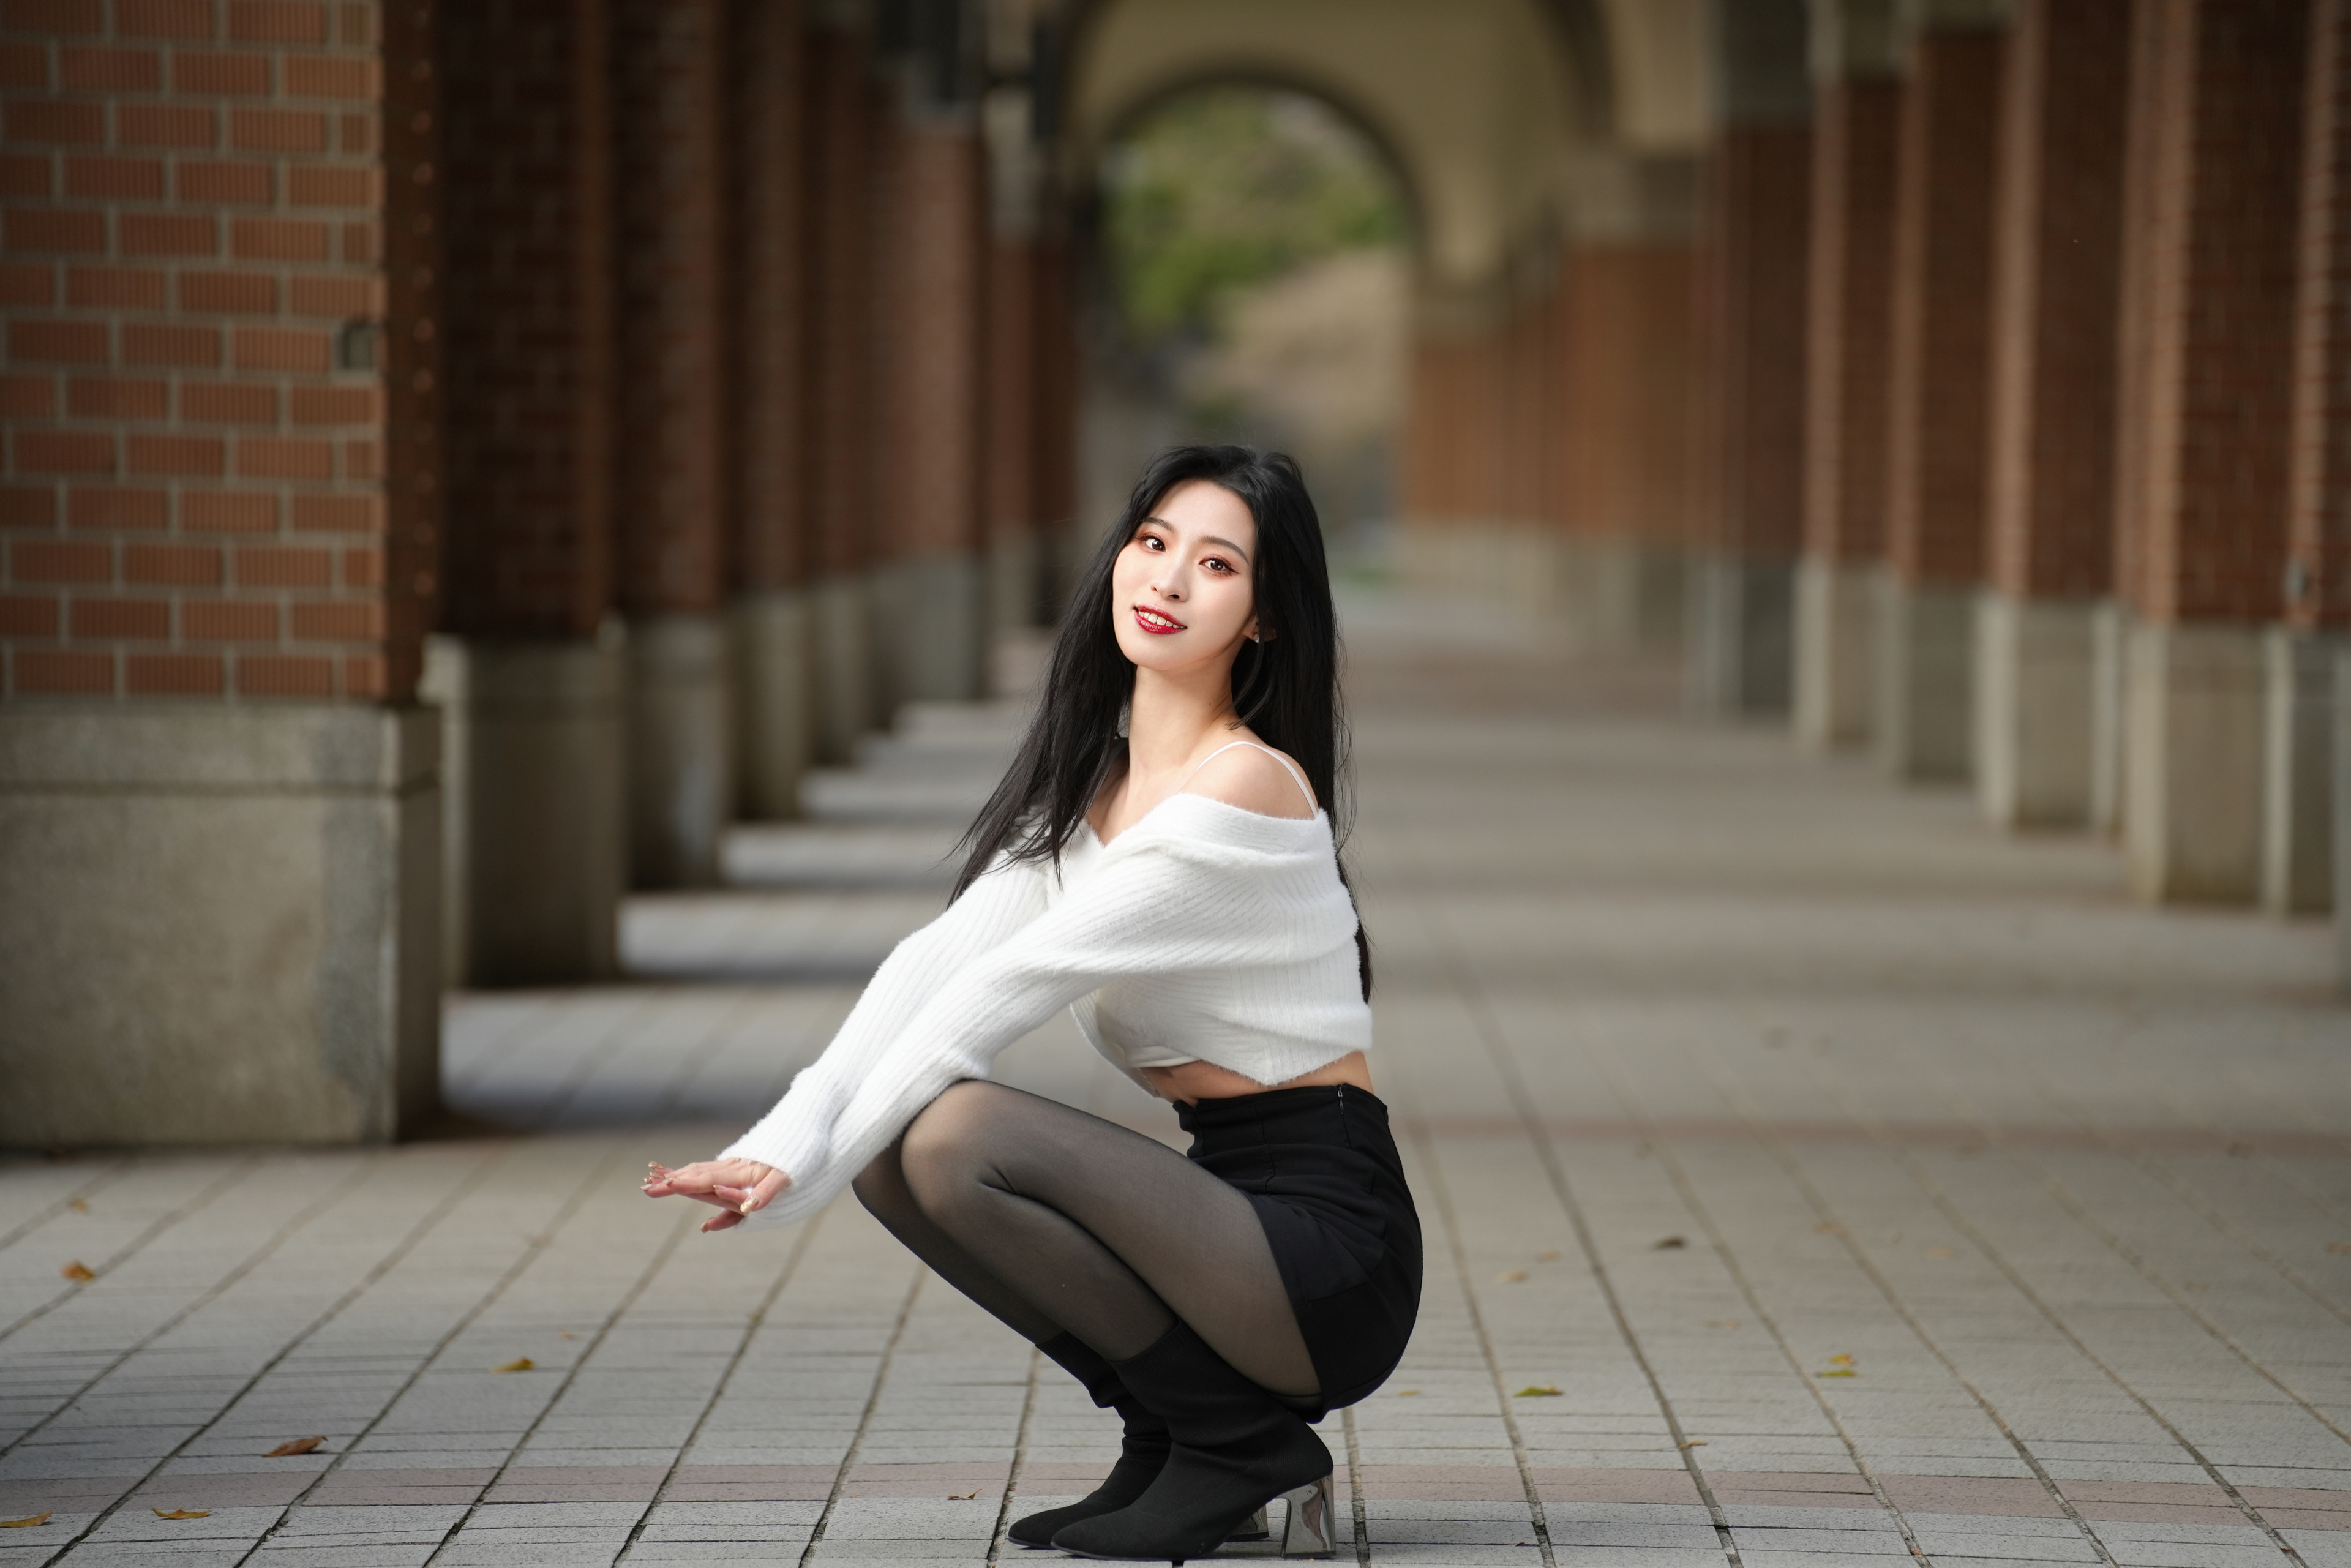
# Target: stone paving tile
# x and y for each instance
(1712, 1063)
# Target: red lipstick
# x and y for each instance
(1156, 622)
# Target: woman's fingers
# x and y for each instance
(740, 1187)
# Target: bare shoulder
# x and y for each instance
(1254, 780)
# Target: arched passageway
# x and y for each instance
(524, 528)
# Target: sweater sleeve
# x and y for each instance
(1152, 911)
(792, 1137)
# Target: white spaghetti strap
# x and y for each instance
(1294, 776)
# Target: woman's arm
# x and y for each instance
(1147, 911)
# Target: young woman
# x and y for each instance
(1175, 879)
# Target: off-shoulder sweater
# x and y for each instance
(1203, 932)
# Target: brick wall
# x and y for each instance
(2057, 266)
(768, 232)
(671, 440)
(2215, 204)
(1454, 464)
(207, 204)
(1625, 408)
(930, 213)
(2318, 531)
(1755, 304)
(526, 209)
(1940, 398)
(1849, 317)
(837, 260)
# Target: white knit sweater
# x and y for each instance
(1203, 932)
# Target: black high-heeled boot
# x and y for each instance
(1236, 1449)
(1141, 1452)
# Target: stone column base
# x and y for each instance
(221, 924)
(1836, 652)
(1925, 724)
(537, 828)
(681, 749)
(1739, 628)
(775, 706)
(932, 615)
(1018, 597)
(1622, 596)
(2298, 755)
(2110, 624)
(2192, 762)
(840, 623)
(2342, 790)
(2032, 710)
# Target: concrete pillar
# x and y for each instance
(2218, 135)
(773, 637)
(2341, 792)
(2057, 262)
(1940, 402)
(1755, 268)
(1013, 525)
(222, 498)
(836, 496)
(525, 673)
(1855, 135)
(927, 310)
(1618, 394)
(673, 468)
(535, 827)
(2298, 765)
(2297, 872)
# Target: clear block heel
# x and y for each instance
(1306, 1533)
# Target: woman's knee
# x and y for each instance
(946, 1147)
(881, 1187)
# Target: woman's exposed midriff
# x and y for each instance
(1197, 1081)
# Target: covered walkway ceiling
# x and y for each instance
(1494, 110)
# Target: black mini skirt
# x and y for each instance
(1320, 1168)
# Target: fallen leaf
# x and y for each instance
(962, 1496)
(1549, 1255)
(565, 1333)
(1509, 1276)
(77, 1206)
(1537, 1391)
(1840, 1372)
(1408, 1393)
(1669, 1244)
(1828, 1227)
(1942, 1252)
(78, 1271)
(1722, 1322)
(1695, 1443)
(24, 1523)
(293, 1446)
(183, 1513)
(520, 1363)
(1840, 1361)
(2338, 1248)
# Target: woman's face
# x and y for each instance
(1183, 590)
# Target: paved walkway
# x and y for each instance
(1812, 1177)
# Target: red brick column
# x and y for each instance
(532, 696)
(2057, 267)
(1753, 300)
(769, 234)
(927, 310)
(200, 203)
(1939, 403)
(1623, 418)
(2318, 532)
(1848, 371)
(217, 537)
(674, 416)
(837, 258)
(1009, 514)
(2217, 140)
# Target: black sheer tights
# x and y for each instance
(1060, 1222)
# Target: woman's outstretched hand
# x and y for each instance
(734, 1187)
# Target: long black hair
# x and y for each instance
(1286, 687)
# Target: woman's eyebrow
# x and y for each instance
(1213, 540)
